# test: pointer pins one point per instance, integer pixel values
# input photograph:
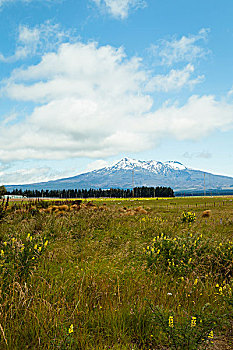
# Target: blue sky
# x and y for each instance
(84, 83)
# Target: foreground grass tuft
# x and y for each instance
(111, 276)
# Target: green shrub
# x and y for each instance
(186, 332)
(181, 255)
(188, 217)
(19, 257)
(177, 255)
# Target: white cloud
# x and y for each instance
(36, 41)
(186, 49)
(119, 8)
(174, 80)
(97, 164)
(93, 102)
(29, 175)
(199, 116)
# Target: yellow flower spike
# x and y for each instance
(2, 252)
(211, 335)
(46, 243)
(28, 236)
(5, 244)
(40, 248)
(35, 246)
(193, 321)
(195, 282)
(13, 240)
(71, 329)
(171, 321)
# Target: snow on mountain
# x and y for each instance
(175, 165)
(152, 166)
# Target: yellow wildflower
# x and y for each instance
(193, 322)
(71, 329)
(211, 335)
(171, 321)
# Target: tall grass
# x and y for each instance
(95, 284)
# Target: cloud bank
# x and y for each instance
(93, 101)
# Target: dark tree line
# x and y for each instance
(94, 193)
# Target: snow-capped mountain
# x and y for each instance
(152, 165)
(128, 172)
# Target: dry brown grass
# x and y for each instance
(206, 213)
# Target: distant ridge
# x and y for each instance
(146, 173)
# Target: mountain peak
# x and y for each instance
(127, 163)
(147, 173)
(175, 165)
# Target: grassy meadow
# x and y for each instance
(117, 274)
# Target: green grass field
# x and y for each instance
(118, 274)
